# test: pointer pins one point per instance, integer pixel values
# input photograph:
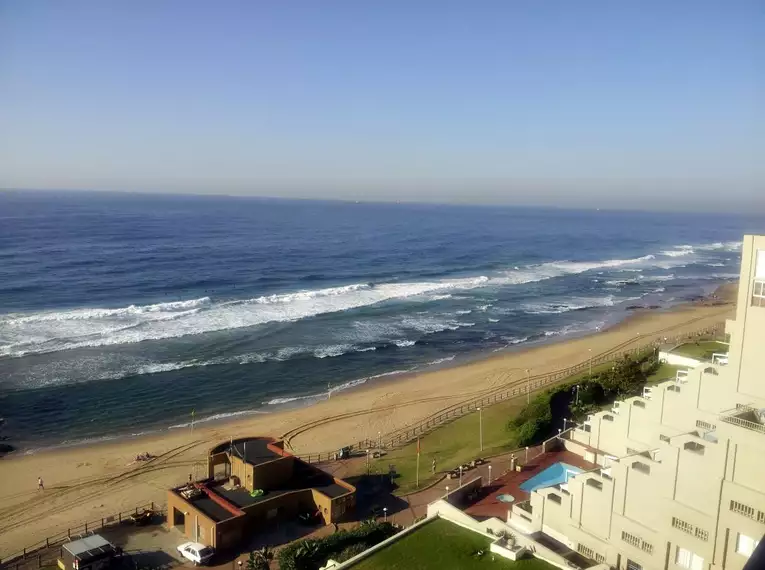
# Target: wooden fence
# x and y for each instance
(45, 552)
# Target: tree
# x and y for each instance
(260, 559)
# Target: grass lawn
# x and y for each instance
(664, 372)
(441, 545)
(458, 442)
(701, 350)
(452, 444)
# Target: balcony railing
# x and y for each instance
(758, 293)
(744, 417)
(525, 506)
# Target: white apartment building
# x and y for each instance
(681, 482)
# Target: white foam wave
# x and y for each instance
(404, 343)
(97, 327)
(575, 304)
(463, 312)
(334, 389)
(221, 416)
(493, 320)
(441, 360)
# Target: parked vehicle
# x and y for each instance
(196, 552)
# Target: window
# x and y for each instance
(608, 418)
(554, 498)
(664, 438)
(631, 539)
(632, 565)
(637, 542)
(638, 403)
(595, 484)
(711, 371)
(687, 559)
(694, 446)
(673, 389)
(642, 467)
(682, 525)
(747, 511)
(745, 545)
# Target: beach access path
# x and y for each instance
(88, 482)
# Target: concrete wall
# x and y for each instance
(273, 473)
(206, 526)
(678, 359)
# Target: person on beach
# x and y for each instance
(40, 486)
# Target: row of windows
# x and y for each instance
(747, 511)
(637, 542)
(687, 527)
(705, 425)
(590, 553)
(642, 467)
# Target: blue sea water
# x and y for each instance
(121, 313)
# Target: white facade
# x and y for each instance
(682, 482)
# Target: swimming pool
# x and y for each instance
(554, 475)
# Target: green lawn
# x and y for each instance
(452, 444)
(701, 350)
(441, 545)
(664, 372)
(458, 442)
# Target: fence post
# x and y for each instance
(119, 516)
(47, 544)
(39, 560)
(86, 524)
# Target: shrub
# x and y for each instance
(310, 554)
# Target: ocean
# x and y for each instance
(122, 313)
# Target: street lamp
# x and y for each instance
(239, 564)
(590, 351)
(528, 385)
(379, 440)
(489, 474)
(480, 427)
(577, 394)
(447, 491)
(385, 513)
(460, 476)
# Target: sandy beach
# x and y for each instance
(89, 482)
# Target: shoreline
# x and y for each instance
(724, 293)
(95, 480)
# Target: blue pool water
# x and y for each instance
(553, 475)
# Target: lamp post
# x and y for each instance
(564, 424)
(460, 476)
(480, 427)
(447, 492)
(379, 440)
(239, 564)
(385, 513)
(577, 394)
(489, 474)
(528, 385)
(590, 351)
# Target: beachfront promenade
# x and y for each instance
(95, 482)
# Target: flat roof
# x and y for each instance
(241, 497)
(95, 543)
(211, 508)
(255, 451)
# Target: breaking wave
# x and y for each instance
(44, 332)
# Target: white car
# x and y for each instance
(196, 552)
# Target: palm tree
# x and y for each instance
(260, 559)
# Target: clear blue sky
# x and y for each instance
(515, 101)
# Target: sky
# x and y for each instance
(553, 102)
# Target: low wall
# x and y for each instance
(678, 359)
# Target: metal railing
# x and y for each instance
(735, 419)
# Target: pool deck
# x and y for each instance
(509, 483)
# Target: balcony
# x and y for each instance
(745, 417)
(758, 292)
(525, 506)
